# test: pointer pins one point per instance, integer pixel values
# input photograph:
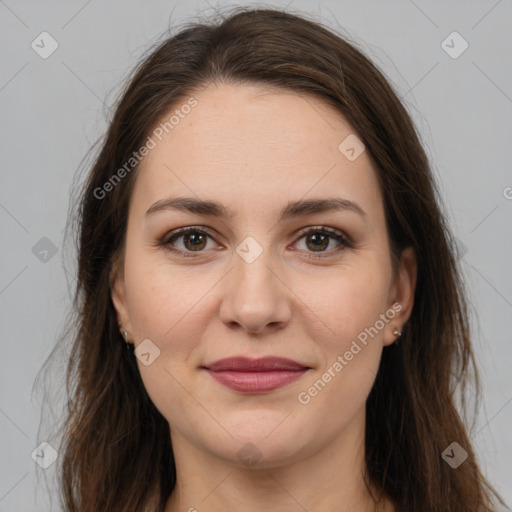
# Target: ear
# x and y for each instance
(118, 294)
(401, 297)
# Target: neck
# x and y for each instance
(329, 479)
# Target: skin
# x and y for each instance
(254, 149)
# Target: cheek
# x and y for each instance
(350, 348)
(171, 307)
(165, 307)
(163, 302)
(345, 303)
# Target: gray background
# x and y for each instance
(53, 109)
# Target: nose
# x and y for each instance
(255, 299)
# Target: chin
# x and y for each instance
(262, 444)
(260, 453)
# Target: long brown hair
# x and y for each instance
(116, 453)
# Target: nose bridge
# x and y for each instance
(253, 278)
(253, 266)
(254, 297)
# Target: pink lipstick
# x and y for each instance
(255, 375)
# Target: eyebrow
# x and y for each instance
(292, 210)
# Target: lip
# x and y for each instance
(255, 375)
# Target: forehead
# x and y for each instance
(254, 146)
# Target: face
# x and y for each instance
(284, 275)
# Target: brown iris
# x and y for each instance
(320, 241)
(198, 241)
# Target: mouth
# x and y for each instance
(255, 375)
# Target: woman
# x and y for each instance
(270, 314)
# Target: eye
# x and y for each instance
(317, 240)
(194, 239)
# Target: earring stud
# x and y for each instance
(397, 332)
(125, 335)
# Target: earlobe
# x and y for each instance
(402, 295)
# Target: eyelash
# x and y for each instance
(332, 233)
